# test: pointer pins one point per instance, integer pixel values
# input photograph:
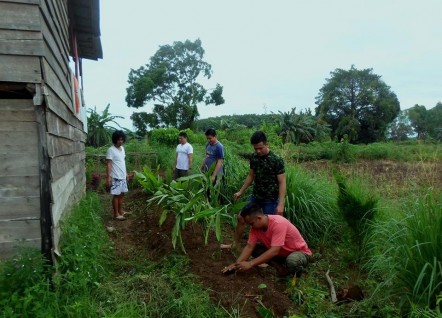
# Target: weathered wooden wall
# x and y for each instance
(34, 48)
(19, 176)
(66, 137)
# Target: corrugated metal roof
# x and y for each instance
(85, 22)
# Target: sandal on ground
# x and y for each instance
(225, 246)
(120, 218)
(126, 212)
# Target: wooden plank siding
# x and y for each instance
(60, 27)
(60, 86)
(9, 249)
(57, 106)
(42, 161)
(19, 176)
(23, 69)
(20, 207)
(19, 16)
(58, 45)
(17, 42)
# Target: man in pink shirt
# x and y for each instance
(282, 246)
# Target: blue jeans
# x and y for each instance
(268, 207)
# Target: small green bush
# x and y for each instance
(164, 136)
(344, 151)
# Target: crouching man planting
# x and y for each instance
(273, 240)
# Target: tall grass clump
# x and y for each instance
(235, 172)
(311, 205)
(357, 205)
(407, 256)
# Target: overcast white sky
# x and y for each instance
(272, 55)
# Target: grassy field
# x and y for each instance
(372, 214)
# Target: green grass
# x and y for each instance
(90, 282)
(311, 205)
(406, 151)
(406, 254)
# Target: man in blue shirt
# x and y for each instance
(214, 155)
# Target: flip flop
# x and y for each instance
(225, 246)
(125, 212)
(120, 218)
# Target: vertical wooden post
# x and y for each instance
(45, 179)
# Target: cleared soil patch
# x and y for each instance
(140, 234)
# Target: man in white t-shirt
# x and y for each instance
(116, 180)
(183, 158)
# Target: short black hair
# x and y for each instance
(257, 137)
(183, 134)
(211, 132)
(251, 208)
(117, 135)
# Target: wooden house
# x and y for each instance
(42, 116)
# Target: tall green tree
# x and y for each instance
(170, 81)
(357, 103)
(419, 120)
(435, 121)
(400, 129)
(426, 122)
(99, 132)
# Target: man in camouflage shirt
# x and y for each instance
(268, 176)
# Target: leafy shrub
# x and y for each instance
(165, 136)
(24, 285)
(344, 151)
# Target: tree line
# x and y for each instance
(355, 104)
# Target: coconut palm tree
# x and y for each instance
(302, 127)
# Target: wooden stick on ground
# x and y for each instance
(332, 288)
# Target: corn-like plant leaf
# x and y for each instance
(176, 230)
(218, 224)
(163, 217)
